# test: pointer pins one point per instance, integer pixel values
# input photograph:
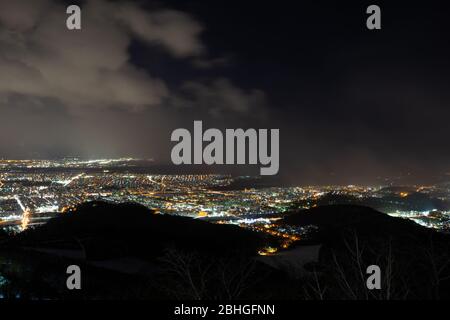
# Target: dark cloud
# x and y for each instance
(220, 97)
(57, 84)
(90, 68)
(350, 104)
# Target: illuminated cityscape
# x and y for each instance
(33, 191)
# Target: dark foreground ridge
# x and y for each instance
(105, 230)
(126, 251)
(415, 260)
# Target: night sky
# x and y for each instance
(351, 104)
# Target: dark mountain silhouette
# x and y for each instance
(415, 260)
(129, 252)
(414, 201)
(106, 230)
(341, 216)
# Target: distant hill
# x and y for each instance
(338, 220)
(389, 203)
(353, 237)
(341, 216)
(109, 230)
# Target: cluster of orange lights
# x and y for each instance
(288, 239)
(25, 220)
(267, 251)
